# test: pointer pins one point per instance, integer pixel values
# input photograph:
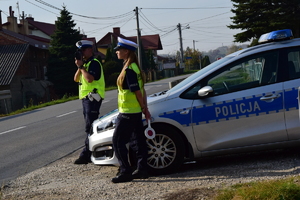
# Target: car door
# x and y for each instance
(245, 107)
(291, 86)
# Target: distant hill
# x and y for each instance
(219, 52)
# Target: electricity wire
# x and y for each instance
(84, 16)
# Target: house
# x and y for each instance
(23, 64)
(108, 40)
(149, 42)
(97, 53)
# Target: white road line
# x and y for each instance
(12, 130)
(66, 114)
(105, 101)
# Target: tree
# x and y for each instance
(232, 48)
(61, 67)
(111, 53)
(205, 61)
(193, 61)
(256, 17)
(151, 60)
(111, 71)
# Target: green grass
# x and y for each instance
(65, 98)
(33, 107)
(284, 189)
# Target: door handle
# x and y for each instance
(270, 97)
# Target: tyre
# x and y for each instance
(165, 150)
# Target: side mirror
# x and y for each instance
(205, 91)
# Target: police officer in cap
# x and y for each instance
(90, 78)
(132, 102)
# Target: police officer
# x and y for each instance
(90, 78)
(132, 102)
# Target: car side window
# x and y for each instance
(252, 71)
(294, 64)
(247, 73)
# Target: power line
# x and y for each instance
(169, 32)
(149, 22)
(187, 8)
(208, 17)
(84, 16)
(118, 22)
(41, 7)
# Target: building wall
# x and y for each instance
(40, 34)
(30, 68)
(102, 50)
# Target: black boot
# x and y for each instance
(122, 178)
(81, 161)
(140, 174)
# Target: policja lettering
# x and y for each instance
(236, 109)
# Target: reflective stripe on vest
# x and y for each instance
(85, 88)
(127, 101)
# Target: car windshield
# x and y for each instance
(199, 73)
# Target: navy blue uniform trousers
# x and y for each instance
(129, 129)
(91, 111)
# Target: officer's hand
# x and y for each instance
(147, 113)
(78, 63)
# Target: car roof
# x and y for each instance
(268, 46)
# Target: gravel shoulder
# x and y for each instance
(195, 180)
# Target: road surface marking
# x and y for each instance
(66, 114)
(12, 130)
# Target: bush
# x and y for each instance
(111, 70)
(111, 80)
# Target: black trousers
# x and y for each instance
(129, 129)
(91, 111)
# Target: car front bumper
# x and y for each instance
(102, 149)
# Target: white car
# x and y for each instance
(246, 101)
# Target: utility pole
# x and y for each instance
(200, 57)
(180, 41)
(138, 38)
(194, 44)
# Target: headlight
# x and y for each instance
(105, 122)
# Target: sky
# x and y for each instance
(203, 22)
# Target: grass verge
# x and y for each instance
(284, 189)
(33, 107)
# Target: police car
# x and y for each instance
(246, 101)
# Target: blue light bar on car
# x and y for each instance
(285, 34)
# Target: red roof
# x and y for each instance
(46, 28)
(16, 38)
(106, 40)
(149, 41)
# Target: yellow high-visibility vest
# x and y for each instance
(127, 101)
(85, 88)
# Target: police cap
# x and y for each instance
(126, 44)
(84, 44)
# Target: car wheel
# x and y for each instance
(165, 150)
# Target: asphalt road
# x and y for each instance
(34, 139)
